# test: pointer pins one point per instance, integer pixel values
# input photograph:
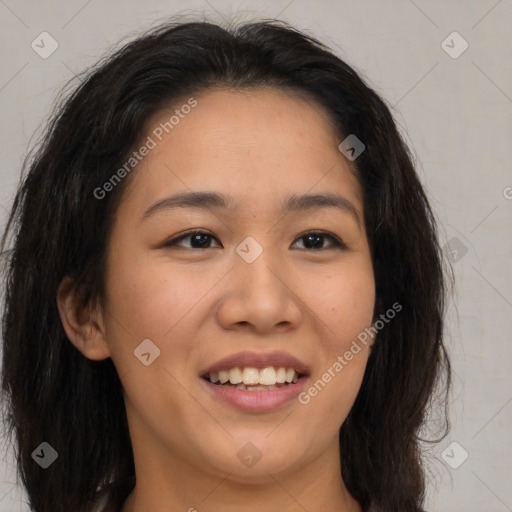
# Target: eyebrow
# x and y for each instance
(215, 200)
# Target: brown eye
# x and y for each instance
(199, 240)
(314, 240)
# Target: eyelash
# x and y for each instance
(337, 242)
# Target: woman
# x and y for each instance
(225, 289)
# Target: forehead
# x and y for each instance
(256, 144)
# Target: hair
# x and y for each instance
(58, 228)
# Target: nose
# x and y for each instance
(259, 297)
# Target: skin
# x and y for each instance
(201, 305)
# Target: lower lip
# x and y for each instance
(256, 401)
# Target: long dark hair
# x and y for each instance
(58, 227)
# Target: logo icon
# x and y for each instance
(44, 45)
(454, 455)
(146, 352)
(249, 455)
(455, 249)
(249, 249)
(351, 147)
(454, 45)
(45, 455)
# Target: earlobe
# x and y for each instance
(83, 325)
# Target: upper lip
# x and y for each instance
(258, 360)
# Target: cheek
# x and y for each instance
(343, 303)
(152, 301)
(343, 306)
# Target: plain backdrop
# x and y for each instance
(454, 106)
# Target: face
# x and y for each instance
(269, 285)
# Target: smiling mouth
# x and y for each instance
(254, 379)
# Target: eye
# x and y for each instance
(312, 240)
(199, 240)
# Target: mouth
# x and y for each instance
(253, 379)
(256, 382)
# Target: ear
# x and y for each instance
(83, 325)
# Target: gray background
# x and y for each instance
(456, 114)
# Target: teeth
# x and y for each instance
(268, 376)
(254, 388)
(235, 376)
(253, 377)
